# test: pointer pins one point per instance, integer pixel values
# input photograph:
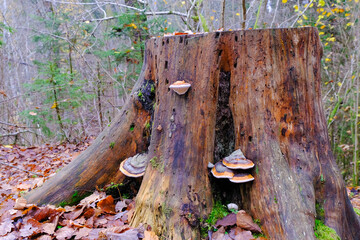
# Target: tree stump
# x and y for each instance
(257, 90)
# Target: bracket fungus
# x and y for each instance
(134, 166)
(230, 167)
(237, 160)
(220, 171)
(180, 87)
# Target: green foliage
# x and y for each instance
(219, 211)
(357, 211)
(203, 23)
(111, 145)
(323, 232)
(3, 28)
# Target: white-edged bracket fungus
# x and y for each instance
(242, 178)
(134, 166)
(180, 87)
(237, 160)
(220, 171)
(231, 166)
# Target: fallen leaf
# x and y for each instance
(221, 235)
(96, 196)
(6, 227)
(131, 234)
(244, 221)
(64, 233)
(240, 234)
(82, 233)
(49, 228)
(120, 205)
(28, 230)
(107, 205)
(229, 220)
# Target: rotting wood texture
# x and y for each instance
(270, 94)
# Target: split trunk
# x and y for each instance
(257, 90)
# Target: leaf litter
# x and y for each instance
(97, 216)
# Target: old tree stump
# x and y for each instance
(257, 90)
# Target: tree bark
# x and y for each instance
(257, 90)
(271, 80)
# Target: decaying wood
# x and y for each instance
(266, 84)
(257, 90)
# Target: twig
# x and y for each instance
(9, 165)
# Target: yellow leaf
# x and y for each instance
(183, 2)
(54, 105)
(329, 13)
(339, 84)
(353, 76)
(212, 18)
(284, 1)
(296, 7)
(321, 3)
(347, 14)
(350, 24)
(33, 113)
(305, 17)
(321, 33)
(332, 39)
(325, 68)
(326, 44)
(237, 14)
(327, 59)
(8, 146)
(311, 5)
(322, 27)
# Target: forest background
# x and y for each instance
(67, 67)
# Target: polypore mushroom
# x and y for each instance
(242, 178)
(134, 166)
(237, 160)
(220, 171)
(180, 87)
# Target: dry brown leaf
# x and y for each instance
(131, 234)
(75, 213)
(6, 227)
(229, 220)
(120, 205)
(244, 221)
(96, 196)
(44, 237)
(49, 228)
(28, 230)
(107, 205)
(64, 233)
(150, 235)
(240, 234)
(220, 235)
(82, 233)
(20, 203)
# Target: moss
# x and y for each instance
(219, 211)
(323, 232)
(320, 212)
(357, 211)
(75, 199)
(111, 145)
(154, 162)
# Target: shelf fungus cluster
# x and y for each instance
(180, 87)
(231, 167)
(134, 166)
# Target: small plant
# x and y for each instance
(219, 211)
(112, 144)
(154, 162)
(323, 232)
(275, 199)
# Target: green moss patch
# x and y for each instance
(323, 232)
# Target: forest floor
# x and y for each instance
(98, 216)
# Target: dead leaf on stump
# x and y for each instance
(240, 234)
(244, 221)
(150, 235)
(220, 234)
(229, 220)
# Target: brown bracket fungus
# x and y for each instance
(134, 166)
(220, 171)
(242, 178)
(237, 160)
(180, 87)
